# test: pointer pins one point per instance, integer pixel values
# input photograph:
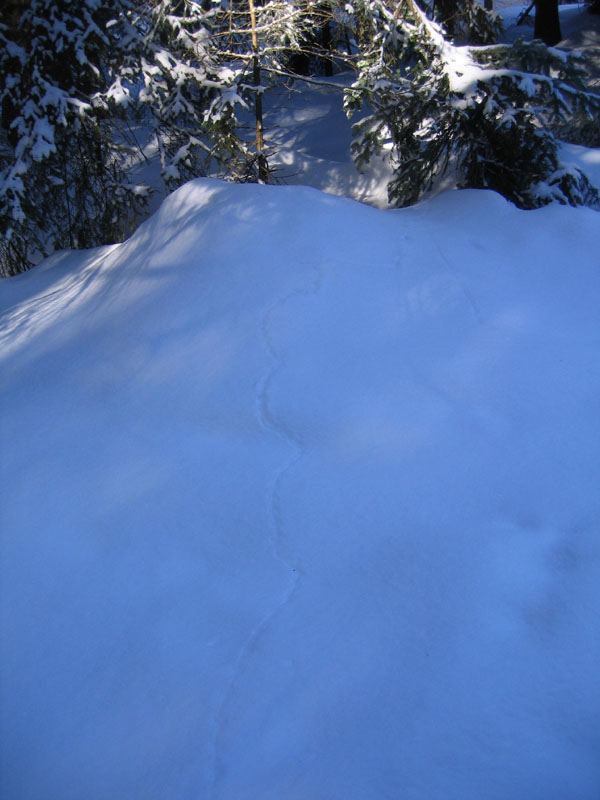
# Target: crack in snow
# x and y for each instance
(270, 423)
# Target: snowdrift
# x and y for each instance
(300, 500)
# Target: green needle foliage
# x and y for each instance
(486, 112)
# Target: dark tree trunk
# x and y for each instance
(263, 167)
(446, 13)
(547, 23)
(326, 38)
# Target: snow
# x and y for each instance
(586, 158)
(300, 500)
(300, 496)
(311, 140)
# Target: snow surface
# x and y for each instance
(300, 497)
(299, 500)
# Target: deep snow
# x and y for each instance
(299, 497)
(299, 500)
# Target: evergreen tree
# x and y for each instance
(68, 72)
(173, 72)
(256, 41)
(486, 112)
(465, 21)
(62, 182)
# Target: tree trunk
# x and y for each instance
(263, 167)
(547, 23)
(326, 38)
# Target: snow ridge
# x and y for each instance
(271, 424)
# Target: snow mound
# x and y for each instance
(299, 500)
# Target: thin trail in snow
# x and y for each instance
(271, 424)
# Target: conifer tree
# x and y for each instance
(68, 72)
(189, 94)
(195, 72)
(486, 112)
(62, 182)
(465, 21)
(256, 41)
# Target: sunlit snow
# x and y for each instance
(299, 499)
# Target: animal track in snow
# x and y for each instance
(271, 424)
